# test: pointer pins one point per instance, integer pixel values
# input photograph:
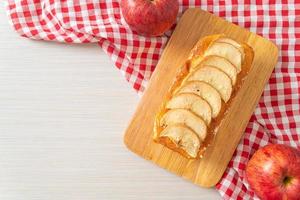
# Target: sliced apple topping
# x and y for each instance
(222, 64)
(234, 43)
(215, 77)
(206, 91)
(191, 102)
(227, 51)
(187, 118)
(184, 138)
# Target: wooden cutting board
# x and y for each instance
(194, 24)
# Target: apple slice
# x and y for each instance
(215, 77)
(222, 64)
(234, 43)
(191, 102)
(227, 51)
(183, 138)
(206, 91)
(187, 118)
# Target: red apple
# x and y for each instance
(274, 172)
(150, 17)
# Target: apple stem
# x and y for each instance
(287, 180)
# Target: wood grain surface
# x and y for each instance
(206, 172)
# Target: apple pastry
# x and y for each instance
(202, 92)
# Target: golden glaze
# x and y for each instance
(197, 53)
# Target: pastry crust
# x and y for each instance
(205, 48)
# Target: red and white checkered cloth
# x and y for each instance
(276, 118)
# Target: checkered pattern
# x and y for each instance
(276, 118)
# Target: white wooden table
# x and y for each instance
(63, 111)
